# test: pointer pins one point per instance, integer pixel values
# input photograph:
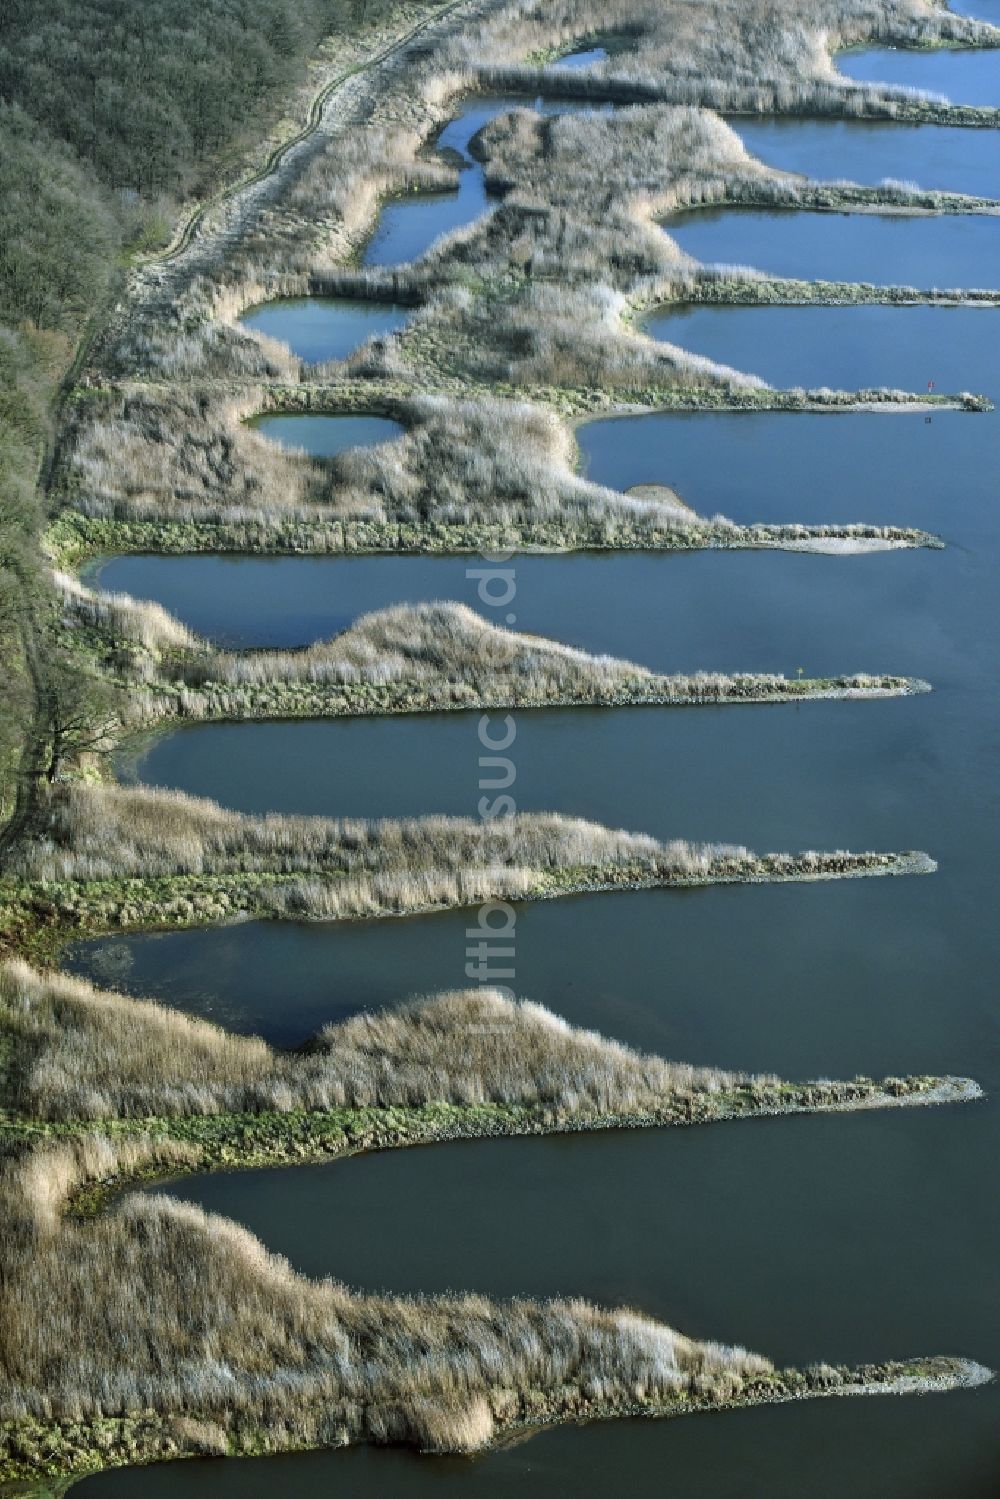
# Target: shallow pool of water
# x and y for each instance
(583, 59)
(935, 156)
(912, 348)
(942, 251)
(324, 436)
(962, 75)
(319, 328)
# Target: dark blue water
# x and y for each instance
(962, 76)
(844, 348)
(947, 251)
(822, 1448)
(930, 156)
(319, 328)
(615, 766)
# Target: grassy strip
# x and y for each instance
(758, 291)
(30, 1448)
(217, 702)
(877, 102)
(410, 658)
(73, 538)
(231, 1141)
(37, 917)
(852, 197)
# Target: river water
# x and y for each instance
(865, 1236)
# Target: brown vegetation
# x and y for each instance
(104, 858)
(198, 1320)
(738, 56)
(464, 474)
(78, 1053)
(157, 1330)
(501, 461)
(735, 55)
(75, 1053)
(408, 658)
(160, 1331)
(539, 295)
(93, 833)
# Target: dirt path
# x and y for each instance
(187, 231)
(214, 229)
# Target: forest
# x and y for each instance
(112, 112)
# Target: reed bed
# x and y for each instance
(110, 832)
(409, 657)
(159, 1309)
(88, 1054)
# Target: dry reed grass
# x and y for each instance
(88, 1054)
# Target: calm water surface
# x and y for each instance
(780, 466)
(845, 348)
(938, 156)
(819, 1448)
(982, 10)
(408, 226)
(960, 250)
(317, 328)
(858, 1237)
(325, 436)
(963, 76)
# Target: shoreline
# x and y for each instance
(143, 1438)
(40, 917)
(267, 1139)
(75, 539)
(232, 1402)
(32, 1450)
(277, 701)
